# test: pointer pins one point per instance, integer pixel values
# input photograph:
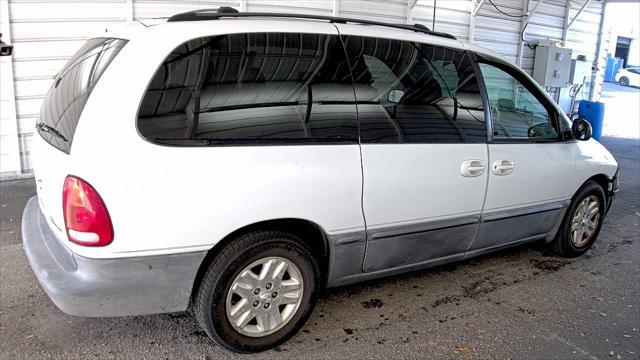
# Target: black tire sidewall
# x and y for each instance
(216, 296)
(591, 188)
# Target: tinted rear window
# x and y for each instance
(67, 96)
(269, 88)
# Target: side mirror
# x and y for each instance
(395, 96)
(542, 131)
(581, 129)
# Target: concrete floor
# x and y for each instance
(518, 304)
(622, 111)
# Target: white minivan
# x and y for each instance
(238, 164)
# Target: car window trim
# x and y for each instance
(484, 96)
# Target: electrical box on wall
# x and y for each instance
(579, 69)
(552, 66)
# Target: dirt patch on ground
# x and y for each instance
(373, 303)
(550, 264)
(445, 300)
(480, 287)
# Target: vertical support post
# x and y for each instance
(523, 25)
(472, 22)
(335, 7)
(594, 87)
(565, 28)
(129, 9)
(243, 5)
(435, 6)
(525, 21)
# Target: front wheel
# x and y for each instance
(582, 222)
(258, 291)
(624, 81)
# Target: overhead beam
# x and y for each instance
(578, 14)
(476, 8)
(530, 15)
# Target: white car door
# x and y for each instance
(424, 152)
(530, 167)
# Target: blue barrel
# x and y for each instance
(609, 70)
(614, 65)
(593, 111)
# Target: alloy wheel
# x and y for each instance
(585, 221)
(264, 296)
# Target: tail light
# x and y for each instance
(85, 214)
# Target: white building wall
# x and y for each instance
(46, 33)
(9, 141)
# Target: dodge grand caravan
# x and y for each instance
(237, 164)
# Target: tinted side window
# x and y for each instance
(414, 93)
(515, 112)
(63, 105)
(252, 88)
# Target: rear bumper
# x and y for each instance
(106, 287)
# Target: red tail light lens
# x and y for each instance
(85, 215)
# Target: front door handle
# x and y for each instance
(502, 167)
(472, 168)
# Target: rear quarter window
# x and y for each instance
(258, 88)
(63, 104)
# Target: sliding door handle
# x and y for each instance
(502, 167)
(472, 168)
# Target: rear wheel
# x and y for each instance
(582, 222)
(258, 291)
(624, 81)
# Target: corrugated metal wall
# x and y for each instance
(583, 37)
(9, 146)
(46, 33)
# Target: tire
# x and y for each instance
(573, 243)
(215, 301)
(624, 81)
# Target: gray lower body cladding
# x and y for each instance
(106, 287)
(394, 250)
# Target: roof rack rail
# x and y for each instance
(229, 12)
